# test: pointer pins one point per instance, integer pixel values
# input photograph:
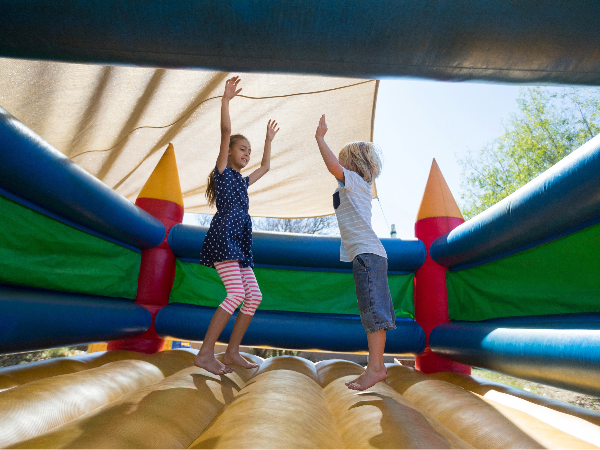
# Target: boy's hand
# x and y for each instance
(322, 128)
(271, 130)
(231, 89)
(330, 160)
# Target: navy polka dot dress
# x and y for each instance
(229, 237)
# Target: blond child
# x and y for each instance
(358, 165)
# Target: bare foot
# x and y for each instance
(369, 377)
(350, 381)
(235, 359)
(211, 364)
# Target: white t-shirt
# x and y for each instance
(352, 203)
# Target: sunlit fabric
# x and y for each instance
(91, 113)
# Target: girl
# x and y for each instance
(358, 165)
(227, 245)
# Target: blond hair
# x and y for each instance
(364, 158)
(211, 191)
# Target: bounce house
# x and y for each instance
(93, 248)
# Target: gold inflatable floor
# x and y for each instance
(130, 400)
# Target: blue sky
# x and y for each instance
(416, 121)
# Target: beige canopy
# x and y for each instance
(115, 122)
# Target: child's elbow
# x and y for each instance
(336, 170)
(333, 168)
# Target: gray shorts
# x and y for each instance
(373, 292)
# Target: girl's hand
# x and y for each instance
(265, 164)
(271, 130)
(231, 89)
(322, 128)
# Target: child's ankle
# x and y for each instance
(377, 367)
(206, 352)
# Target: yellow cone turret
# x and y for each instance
(163, 183)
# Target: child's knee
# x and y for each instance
(251, 303)
(231, 303)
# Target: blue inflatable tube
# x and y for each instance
(294, 331)
(33, 170)
(561, 200)
(299, 251)
(37, 319)
(554, 41)
(561, 350)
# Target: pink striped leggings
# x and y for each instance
(241, 286)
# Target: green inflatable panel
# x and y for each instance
(558, 277)
(289, 290)
(38, 251)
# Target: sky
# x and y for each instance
(416, 121)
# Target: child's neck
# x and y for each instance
(233, 167)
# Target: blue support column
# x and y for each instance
(294, 331)
(299, 251)
(558, 202)
(38, 319)
(560, 350)
(44, 179)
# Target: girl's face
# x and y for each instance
(239, 155)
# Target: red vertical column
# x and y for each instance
(161, 196)
(438, 214)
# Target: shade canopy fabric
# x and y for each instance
(116, 122)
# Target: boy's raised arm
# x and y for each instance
(329, 158)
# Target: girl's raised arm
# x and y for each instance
(265, 164)
(230, 92)
(330, 160)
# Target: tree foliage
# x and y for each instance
(550, 124)
(316, 225)
(12, 359)
(267, 353)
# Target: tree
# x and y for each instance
(317, 225)
(201, 219)
(550, 124)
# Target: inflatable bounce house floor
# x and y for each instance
(123, 399)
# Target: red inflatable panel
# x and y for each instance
(157, 272)
(431, 299)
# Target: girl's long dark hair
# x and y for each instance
(211, 193)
